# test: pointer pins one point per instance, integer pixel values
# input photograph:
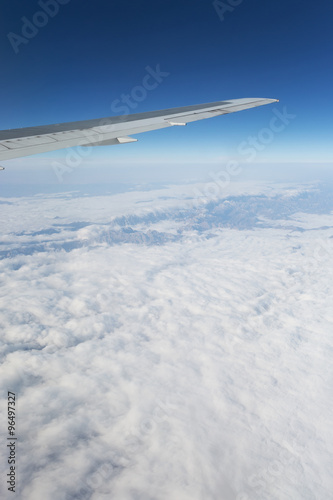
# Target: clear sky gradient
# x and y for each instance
(89, 54)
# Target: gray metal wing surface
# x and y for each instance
(15, 143)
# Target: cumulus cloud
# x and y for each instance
(164, 348)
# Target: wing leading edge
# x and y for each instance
(15, 143)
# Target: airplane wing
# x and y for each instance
(15, 143)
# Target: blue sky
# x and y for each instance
(91, 53)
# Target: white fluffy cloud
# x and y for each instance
(190, 366)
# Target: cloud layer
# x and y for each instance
(164, 348)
